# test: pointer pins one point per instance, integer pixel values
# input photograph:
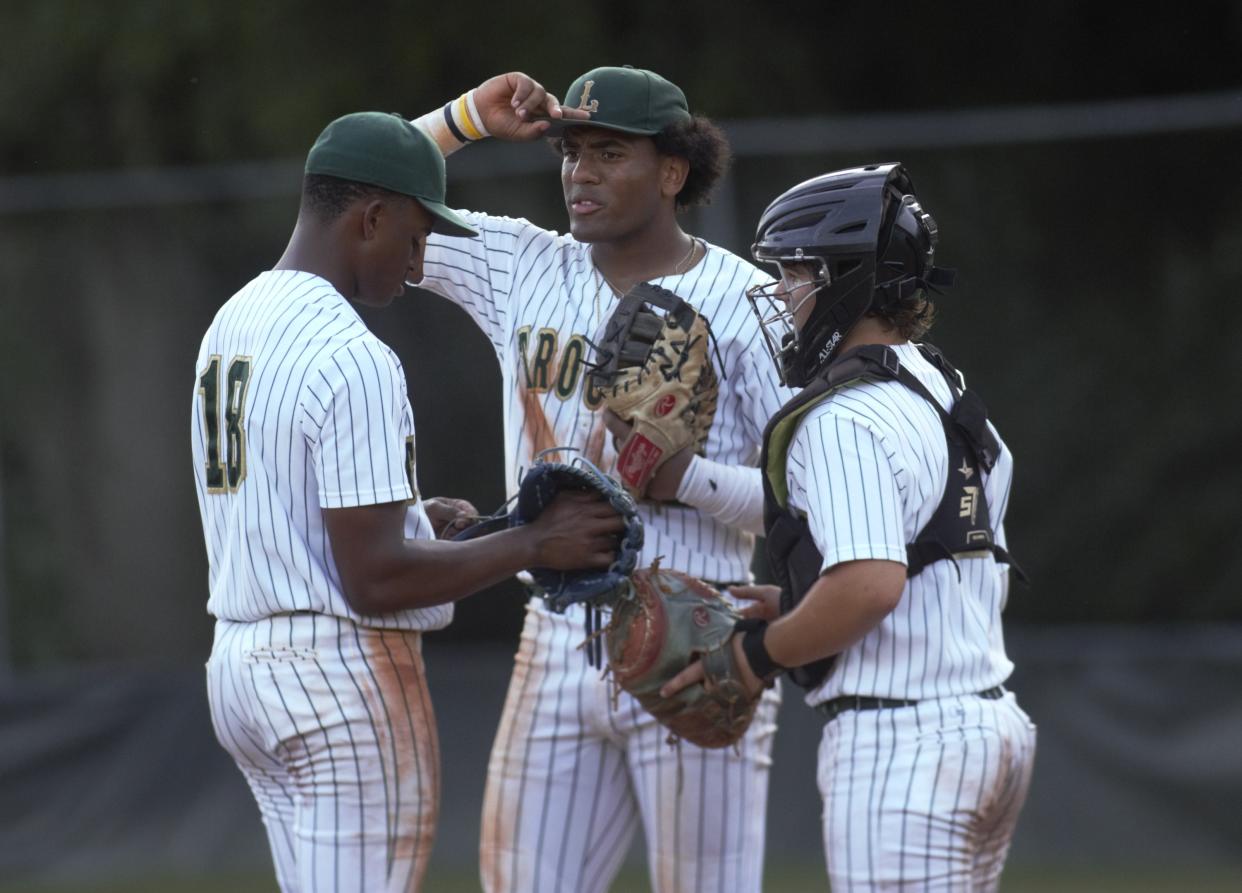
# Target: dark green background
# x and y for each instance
(89, 85)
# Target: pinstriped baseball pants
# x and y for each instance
(332, 726)
(570, 779)
(924, 797)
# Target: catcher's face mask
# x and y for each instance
(783, 307)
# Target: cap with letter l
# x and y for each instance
(628, 99)
(385, 150)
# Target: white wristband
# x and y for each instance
(454, 125)
(475, 119)
(732, 494)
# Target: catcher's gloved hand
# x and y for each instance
(539, 487)
(665, 621)
(654, 370)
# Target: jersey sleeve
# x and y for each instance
(480, 274)
(849, 489)
(359, 427)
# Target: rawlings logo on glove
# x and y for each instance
(654, 371)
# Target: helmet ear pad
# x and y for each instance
(838, 308)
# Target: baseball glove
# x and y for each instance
(654, 370)
(539, 487)
(659, 625)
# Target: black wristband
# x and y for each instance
(761, 663)
(452, 125)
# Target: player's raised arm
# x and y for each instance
(512, 106)
(479, 276)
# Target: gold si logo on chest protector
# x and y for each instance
(969, 504)
(593, 105)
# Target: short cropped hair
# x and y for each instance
(328, 197)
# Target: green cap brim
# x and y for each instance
(446, 223)
(558, 126)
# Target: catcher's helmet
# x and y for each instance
(870, 245)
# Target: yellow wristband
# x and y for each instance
(463, 119)
(455, 125)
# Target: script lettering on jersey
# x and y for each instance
(225, 477)
(544, 366)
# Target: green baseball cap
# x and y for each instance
(628, 99)
(388, 151)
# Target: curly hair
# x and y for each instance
(912, 318)
(705, 146)
(701, 143)
(913, 315)
(327, 197)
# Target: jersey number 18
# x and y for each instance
(228, 476)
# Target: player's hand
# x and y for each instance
(578, 531)
(665, 483)
(448, 516)
(694, 673)
(515, 107)
(765, 601)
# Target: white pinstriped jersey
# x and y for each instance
(870, 464)
(574, 769)
(538, 298)
(298, 407)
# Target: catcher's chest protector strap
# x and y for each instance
(960, 526)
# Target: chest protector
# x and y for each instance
(960, 527)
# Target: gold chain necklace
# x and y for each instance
(682, 266)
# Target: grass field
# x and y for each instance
(787, 880)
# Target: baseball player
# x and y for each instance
(323, 567)
(571, 774)
(886, 498)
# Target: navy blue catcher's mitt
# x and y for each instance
(538, 488)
